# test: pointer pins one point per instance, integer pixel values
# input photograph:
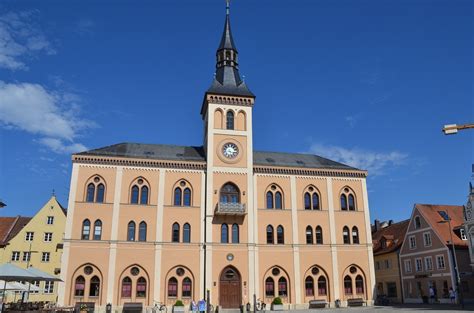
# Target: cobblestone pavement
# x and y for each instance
(399, 308)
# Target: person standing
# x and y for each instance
(432, 294)
(452, 295)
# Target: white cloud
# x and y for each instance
(84, 26)
(20, 37)
(376, 163)
(52, 115)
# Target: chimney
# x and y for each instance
(377, 225)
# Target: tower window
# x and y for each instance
(230, 120)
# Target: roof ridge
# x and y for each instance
(11, 227)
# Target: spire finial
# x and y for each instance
(227, 7)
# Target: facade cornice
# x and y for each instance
(309, 172)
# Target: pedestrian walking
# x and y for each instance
(432, 294)
(452, 295)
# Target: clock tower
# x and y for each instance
(227, 115)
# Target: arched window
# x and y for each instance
(79, 286)
(97, 230)
(278, 201)
(417, 222)
(134, 197)
(175, 233)
(269, 287)
(347, 285)
(307, 201)
(319, 235)
(224, 233)
(86, 229)
(131, 231)
(315, 201)
(126, 287)
(351, 203)
(90, 192)
(235, 233)
(187, 288)
(100, 193)
(345, 235)
(186, 233)
(230, 193)
(141, 287)
(282, 287)
(230, 119)
(359, 284)
(309, 235)
(322, 287)
(270, 234)
(94, 287)
(309, 286)
(343, 202)
(355, 235)
(177, 196)
(269, 200)
(187, 197)
(280, 235)
(144, 195)
(172, 287)
(142, 231)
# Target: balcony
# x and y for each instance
(230, 208)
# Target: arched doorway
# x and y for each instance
(230, 290)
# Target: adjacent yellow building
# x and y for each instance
(39, 244)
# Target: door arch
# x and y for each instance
(230, 288)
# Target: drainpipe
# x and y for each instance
(205, 236)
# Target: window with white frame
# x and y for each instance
(50, 220)
(408, 266)
(418, 265)
(463, 234)
(36, 284)
(26, 256)
(29, 236)
(427, 239)
(48, 237)
(428, 263)
(49, 287)
(16, 256)
(412, 240)
(45, 257)
(440, 262)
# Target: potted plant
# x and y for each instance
(277, 304)
(83, 308)
(178, 306)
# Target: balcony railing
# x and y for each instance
(230, 208)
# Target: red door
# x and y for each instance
(230, 293)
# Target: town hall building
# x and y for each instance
(159, 223)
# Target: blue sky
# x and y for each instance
(368, 83)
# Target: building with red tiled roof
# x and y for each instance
(387, 240)
(9, 227)
(428, 257)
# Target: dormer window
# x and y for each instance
(383, 243)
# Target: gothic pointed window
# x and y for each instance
(309, 286)
(322, 287)
(345, 235)
(224, 233)
(177, 196)
(86, 229)
(309, 235)
(187, 233)
(172, 287)
(282, 287)
(319, 235)
(187, 197)
(79, 286)
(355, 235)
(175, 233)
(94, 287)
(134, 197)
(269, 200)
(347, 285)
(269, 287)
(144, 195)
(307, 201)
(100, 193)
(141, 287)
(230, 119)
(315, 201)
(343, 202)
(270, 234)
(359, 284)
(280, 235)
(90, 192)
(131, 231)
(278, 201)
(97, 230)
(235, 233)
(126, 287)
(187, 288)
(230, 193)
(351, 203)
(142, 231)
(348, 200)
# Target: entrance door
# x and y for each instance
(230, 293)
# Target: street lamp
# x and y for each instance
(447, 219)
(452, 129)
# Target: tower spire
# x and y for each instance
(227, 78)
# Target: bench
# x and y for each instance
(356, 302)
(317, 304)
(132, 307)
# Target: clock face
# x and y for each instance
(230, 150)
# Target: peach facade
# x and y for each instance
(175, 221)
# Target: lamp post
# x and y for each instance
(458, 277)
(452, 129)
